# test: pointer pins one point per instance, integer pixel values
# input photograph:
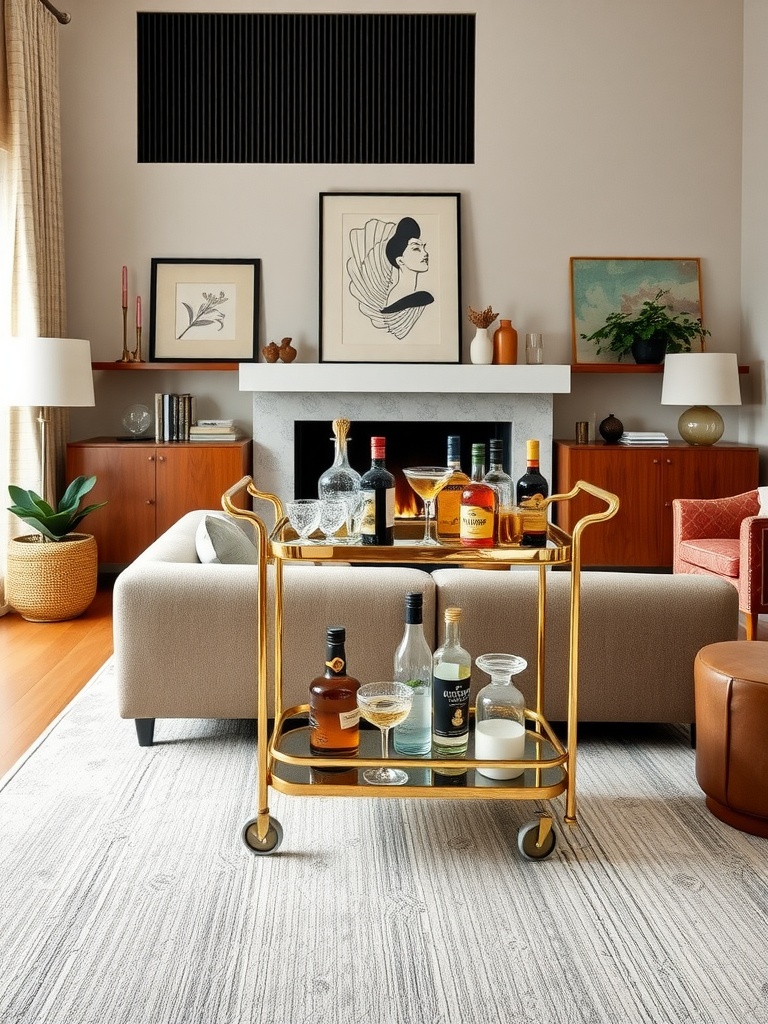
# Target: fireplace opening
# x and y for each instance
(411, 443)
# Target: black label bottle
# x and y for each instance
(413, 666)
(449, 498)
(532, 489)
(451, 679)
(334, 718)
(377, 488)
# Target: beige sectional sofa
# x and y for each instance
(185, 645)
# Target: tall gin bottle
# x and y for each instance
(451, 678)
(449, 498)
(413, 666)
(334, 718)
(377, 488)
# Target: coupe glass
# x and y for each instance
(304, 516)
(385, 705)
(333, 515)
(427, 482)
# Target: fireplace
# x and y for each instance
(409, 443)
(511, 402)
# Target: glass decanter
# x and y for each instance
(500, 715)
(340, 480)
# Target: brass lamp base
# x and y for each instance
(701, 425)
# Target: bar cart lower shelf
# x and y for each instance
(285, 763)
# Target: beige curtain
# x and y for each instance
(32, 286)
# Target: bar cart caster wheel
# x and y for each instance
(537, 839)
(272, 840)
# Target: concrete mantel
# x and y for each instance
(403, 378)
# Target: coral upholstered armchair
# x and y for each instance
(726, 537)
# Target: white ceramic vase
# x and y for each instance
(481, 348)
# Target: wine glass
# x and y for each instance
(304, 516)
(385, 705)
(333, 515)
(427, 482)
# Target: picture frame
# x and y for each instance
(204, 310)
(390, 277)
(604, 285)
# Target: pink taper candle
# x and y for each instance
(138, 311)
(125, 287)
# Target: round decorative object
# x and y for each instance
(481, 348)
(646, 351)
(611, 429)
(137, 419)
(49, 581)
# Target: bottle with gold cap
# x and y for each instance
(451, 678)
(531, 491)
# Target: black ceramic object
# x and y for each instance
(611, 429)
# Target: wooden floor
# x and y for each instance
(43, 665)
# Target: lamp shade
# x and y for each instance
(701, 378)
(46, 372)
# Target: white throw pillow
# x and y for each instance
(762, 497)
(220, 539)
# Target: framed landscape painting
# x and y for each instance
(204, 310)
(620, 284)
(389, 278)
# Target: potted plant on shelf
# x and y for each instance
(52, 574)
(648, 333)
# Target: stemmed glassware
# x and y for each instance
(427, 482)
(385, 705)
(304, 516)
(333, 515)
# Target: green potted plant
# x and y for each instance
(648, 333)
(52, 574)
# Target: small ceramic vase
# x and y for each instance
(481, 348)
(505, 344)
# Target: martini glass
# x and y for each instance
(427, 482)
(385, 705)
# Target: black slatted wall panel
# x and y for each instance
(306, 88)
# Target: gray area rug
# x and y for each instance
(128, 896)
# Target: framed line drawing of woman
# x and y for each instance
(389, 277)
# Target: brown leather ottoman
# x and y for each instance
(731, 689)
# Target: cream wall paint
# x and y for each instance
(754, 423)
(602, 129)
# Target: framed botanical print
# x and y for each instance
(389, 277)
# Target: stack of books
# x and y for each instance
(214, 430)
(174, 415)
(643, 437)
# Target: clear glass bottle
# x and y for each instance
(451, 680)
(496, 476)
(339, 479)
(377, 488)
(477, 510)
(500, 715)
(532, 489)
(449, 498)
(334, 718)
(413, 666)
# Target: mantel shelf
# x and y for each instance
(133, 367)
(626, 368)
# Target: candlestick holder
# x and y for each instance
(136, 354)
(126, 356)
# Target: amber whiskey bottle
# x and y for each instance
(334, 718)
(449, 498)
(477, 510)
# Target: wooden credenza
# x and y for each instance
(148, 486)
(646, 479)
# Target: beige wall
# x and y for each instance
(603, 129)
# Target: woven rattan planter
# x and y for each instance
(54, 580)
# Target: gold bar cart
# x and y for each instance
(283, 757)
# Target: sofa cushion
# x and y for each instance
(220, 540)
(719, 555)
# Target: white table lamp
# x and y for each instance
(46, 372)
(701, 380)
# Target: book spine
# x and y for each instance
(158, 416)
